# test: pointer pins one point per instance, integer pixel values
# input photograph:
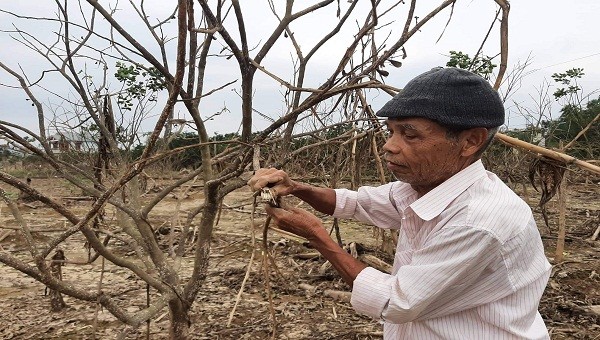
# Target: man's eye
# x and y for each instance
(410, 137)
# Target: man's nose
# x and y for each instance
(392, 146)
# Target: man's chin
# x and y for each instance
(401, 177)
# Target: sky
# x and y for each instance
(553, 35)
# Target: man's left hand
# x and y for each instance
(296, 221)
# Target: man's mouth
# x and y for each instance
(391, 165)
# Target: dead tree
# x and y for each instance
(187, 48)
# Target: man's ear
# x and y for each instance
(472, 140)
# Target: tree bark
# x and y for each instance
(180, 321)
(56, 300)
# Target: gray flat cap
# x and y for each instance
(451, 96)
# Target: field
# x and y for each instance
(306, 296)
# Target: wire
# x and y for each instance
(564, 62)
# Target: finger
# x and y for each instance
(257, 183)
(258, 174)
(260, 183)
(252, 181)
(297, 210)
(280, 216)
(274, 190)
(266, 172)
(274, 211)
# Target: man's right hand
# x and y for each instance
(321, 199)
(277, 180)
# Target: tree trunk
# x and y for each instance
(180, 320)
(56, 300)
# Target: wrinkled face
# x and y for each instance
(419, 152)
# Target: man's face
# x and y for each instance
(419, 152)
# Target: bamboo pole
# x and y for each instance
(514, 142)
(558, 156)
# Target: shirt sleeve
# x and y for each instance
(438, 281)
(369, 204)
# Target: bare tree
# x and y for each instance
(185, 50)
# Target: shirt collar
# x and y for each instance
(434, 202)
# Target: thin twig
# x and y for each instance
(98, 305)
(248, 267)
(582, 132)
(266, 258)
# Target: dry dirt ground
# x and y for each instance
(302, 302)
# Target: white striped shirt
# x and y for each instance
(469, 263)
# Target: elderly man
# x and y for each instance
(469, 263)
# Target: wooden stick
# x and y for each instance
(353, 184)
(248, 268)
(338, 295)
(5, 235)
(34, 230)
(561, 157)
(95, 322)
(562, 201)
(78, 198)
(378, 162)
(595, 234)
(582, 132)
(376, 263)
(308, 288)
(503, 41)
(307, 256)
